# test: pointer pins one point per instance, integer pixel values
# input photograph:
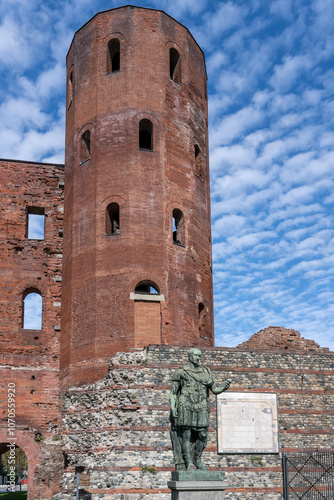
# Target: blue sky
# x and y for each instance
(271, 108)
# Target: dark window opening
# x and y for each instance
(85, 147)
(112, 219)
(70, 88)
(201, 319)
(113, 56)
(147, 287)
(178, 227)
(32, 310)
(175, 65)
(35, 223)
(146, 134)
(198, 162)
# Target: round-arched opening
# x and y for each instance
(147, 287)
(198, 162)
(13, 468)
(32, 310)
(70, 89)
(113, 56)
(146, 134)
(112, 219)
(85, 147)
(201, 319)
(174, 65)
(178, 227)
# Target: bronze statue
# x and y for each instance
(190, 411)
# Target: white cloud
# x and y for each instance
(235, 125)
(14, 49)
(33, 312)
(216, 61)
(285, 74)
(48, 82)
(271, 88)
(227, 16)
(20, 113)
(36, 226)
(281, 8)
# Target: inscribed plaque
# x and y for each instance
(84, 480)
(247, 423)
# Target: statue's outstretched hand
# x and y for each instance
(218, 390)
(227, 383)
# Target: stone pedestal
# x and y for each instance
(197, 485)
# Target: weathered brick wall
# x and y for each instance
(30, 358)
(101, 271)
(278, 337)
(120, 425)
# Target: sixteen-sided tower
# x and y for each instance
(137, 237)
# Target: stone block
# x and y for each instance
(197, 490)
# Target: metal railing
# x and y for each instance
(308, 475)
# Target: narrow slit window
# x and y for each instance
(70, 88)
(147, 287)
(146, 134)
(112, 219)
(198, 161)
(201, 319)
(178, 227)
(32, 311)
(113, 56)
(35, 223)
(85, 147)
(175, 65)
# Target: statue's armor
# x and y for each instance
(193, 403)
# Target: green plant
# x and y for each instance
(149, 469)
(257, 460)
(38, 437)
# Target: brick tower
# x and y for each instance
(137, 236)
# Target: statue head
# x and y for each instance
(194, 356)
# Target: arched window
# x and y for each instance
(85, 147)
(147, 287)
(201, 319)
(198, 161)
(146, 134)
(32, 310)
(70, 89)
(112, 219)
(113, 56)
(14, 455)
(178, 227)
(175, 65)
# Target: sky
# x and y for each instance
(271, 108)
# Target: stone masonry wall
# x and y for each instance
(118, 428)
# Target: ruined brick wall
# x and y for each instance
(30, 358)
(278, 337)
(101, 270)
(119, 427)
